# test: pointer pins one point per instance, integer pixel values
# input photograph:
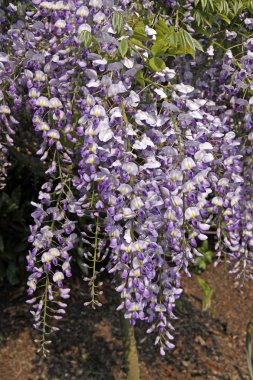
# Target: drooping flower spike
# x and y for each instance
(141, 162)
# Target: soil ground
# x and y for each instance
(210, 345)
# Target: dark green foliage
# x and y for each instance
(207, 258)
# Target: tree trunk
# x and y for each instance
(131, 353)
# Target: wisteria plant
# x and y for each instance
(142, 119)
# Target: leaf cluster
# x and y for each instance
(210, 13)
(172, 41)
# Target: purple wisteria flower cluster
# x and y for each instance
(140, 164)
(231, 78)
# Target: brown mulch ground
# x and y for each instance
(209, 345)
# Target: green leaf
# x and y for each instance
(85, 37)
(139, 31)
(161, 27)
(133, 41)
(211, 4)
(156, 64)
(249, 350)
(172, 37)
(203, 19)
(169, 42)
(118, 22)
(159, 47)
(189, 43)
(139, 77)
(198, 46)
(224, 18)
(204, 3)
(183, 43)
(223, 7)
(204, 246)
(251, 5)
(208, 292)
(123, 47)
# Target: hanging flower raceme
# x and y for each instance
(8, 123)
(141, 165)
